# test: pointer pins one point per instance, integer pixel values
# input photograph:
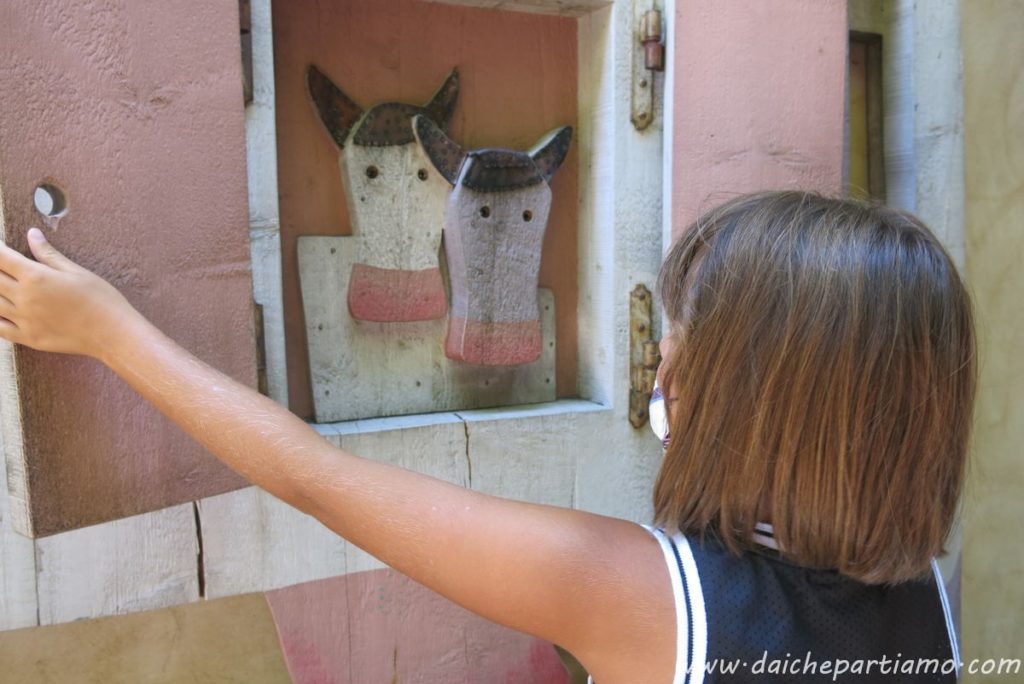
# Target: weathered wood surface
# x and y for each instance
(395, 200)
(519, 75)
(18, 602)
(230, 641)
(493, 259)
(146, 561)
(494, 228)
(380, 626)
(565, 8)
(410, 371)
(252, 541)
(264, 216)
(166, 229)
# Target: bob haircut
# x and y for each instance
(822, 379)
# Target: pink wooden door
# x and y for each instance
(135, 112)
(756, 98)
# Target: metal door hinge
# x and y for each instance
(644, 356)
(648, 58)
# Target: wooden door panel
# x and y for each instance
(136, 113)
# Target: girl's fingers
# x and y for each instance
(9, 331)
(12, 261)
(7, 285)
(7, 309)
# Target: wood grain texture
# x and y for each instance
(518, 74)
(434, 446)
(379, 626)
(18, 601)
(232, 641)
(138, 563)
(411, 372)
(264, 219)
(493, 242)
(396, 203)
(397, 219)
(530, 458)
(95, 98)
(759, 100)
(252, 541)
(565, 8)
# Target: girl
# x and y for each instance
(819, 377)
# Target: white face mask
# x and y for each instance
(658, 415)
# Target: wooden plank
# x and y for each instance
(147, 561)
(411, 372)
(264, 218)
(753, 130)
(529, 458)
(233, 640)
(434, 445)
(166, 229)
(494, 228)
(380, 626)
(564, 8)
(18, 603)
(253, 541)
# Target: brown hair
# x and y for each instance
(824, 375)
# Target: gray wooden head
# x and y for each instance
(494, 227)
(493, 169)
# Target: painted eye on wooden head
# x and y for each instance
(372, 172)
(527, 215)
(422, 174)
(485, 211)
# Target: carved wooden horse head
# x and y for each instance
(493, 232)
(395, 199)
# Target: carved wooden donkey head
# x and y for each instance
(395, 199)
(493, 231)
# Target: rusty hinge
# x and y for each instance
(644, 356)
(245, 27)
(648, 58)
(261, 350)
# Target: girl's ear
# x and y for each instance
(444, 153)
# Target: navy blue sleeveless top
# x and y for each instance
(761, 618)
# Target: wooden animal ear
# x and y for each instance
(442, 105)
(549, 153)
(337, 112)
(445, 154)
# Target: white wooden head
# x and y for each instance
(395, 197)
(494, 229)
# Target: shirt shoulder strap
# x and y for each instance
(691, 619)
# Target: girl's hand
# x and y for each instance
(54, 304)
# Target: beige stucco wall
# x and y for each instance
(993, 565)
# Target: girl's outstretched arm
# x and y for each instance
(593, 584)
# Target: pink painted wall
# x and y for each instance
(758, 101)
(136, 110)
(380, 626)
